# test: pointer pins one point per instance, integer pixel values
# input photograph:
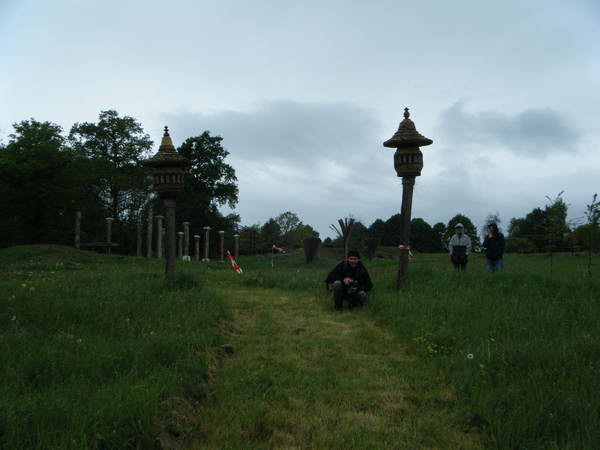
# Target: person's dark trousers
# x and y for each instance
(460, 265)
(340, 293)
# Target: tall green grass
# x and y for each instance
(520, 347)
(97, 350)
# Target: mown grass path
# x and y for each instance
(304, 376)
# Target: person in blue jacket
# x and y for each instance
(494, 245)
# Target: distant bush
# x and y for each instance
(519, 245)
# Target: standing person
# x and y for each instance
(494, 244)
(459, 247)
(349, 281)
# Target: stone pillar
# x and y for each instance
(138, 252)
(164, 234)
(206, 238)
(159, 235)
(109, 221)
(196, 247)
(149, 237)
(186, 239)
(170, 239)
(180, 244)
(222, 245)
(78, 230)
(236, 238)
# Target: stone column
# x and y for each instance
(164, 234)
(196, 247)
(180, 244)
(170, 239)
(159, 235)
(138, 252)
(222, 246)
(149, 237)
(186, 239)
(78, 230)
(206, 237)
(109, 221)
(236, 238)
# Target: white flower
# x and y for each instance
(23, 285)
(13, 318)
(470, 356)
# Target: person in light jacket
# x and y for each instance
(459, 247)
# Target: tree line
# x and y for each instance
(46, 176)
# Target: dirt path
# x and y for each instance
(304, 376)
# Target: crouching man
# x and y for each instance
(349, 281)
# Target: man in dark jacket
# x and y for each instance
(494, 244)
(350, 281)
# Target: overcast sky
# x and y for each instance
(304, 93)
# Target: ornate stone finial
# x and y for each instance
(167, 131)
(406, 113)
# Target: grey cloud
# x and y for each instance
(286, 131)
(532, 133)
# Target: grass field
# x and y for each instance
(99, 353)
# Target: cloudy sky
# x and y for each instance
(304, 93)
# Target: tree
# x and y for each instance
(358, 236)
(270, 234)
(43, 183)
(391, 233)
(470, 231)
(250, 239)
(209, 183)
(377, 230)
(287, 221)
(421, 235)
(116, 146)
(438, 231)
(545, 228)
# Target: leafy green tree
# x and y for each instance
(438, 231)
(270, 234)
(43, 183)
(358, 236)
(116, 146)
(377, 230)
(287, 221)
(250, 239)
(470, 231)
(545, 228)
(209, 183)
(519, 245)
(421, 235)
(391, 234)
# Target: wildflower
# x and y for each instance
(470, 356)
(23, 285)
(13, 318)
(79, 340)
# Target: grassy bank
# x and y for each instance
(97, 352)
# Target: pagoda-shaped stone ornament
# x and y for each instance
(408, 162)
(168, 172)
(169, 168)
(408, 159)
